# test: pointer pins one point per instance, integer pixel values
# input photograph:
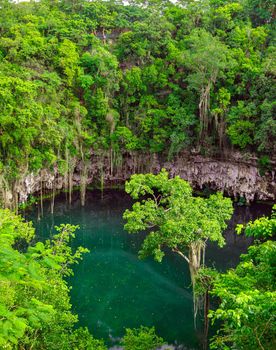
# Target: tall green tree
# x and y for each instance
(175, 219)
(206, 58)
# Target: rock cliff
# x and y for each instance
(234, 175)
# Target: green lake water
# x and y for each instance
(113, 289)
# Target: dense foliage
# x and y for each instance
(142, 338)
(107, 77)
(262, 228)
(248, 302)
(247, 295)
(155, 76)
(175, 219)
(35, 309)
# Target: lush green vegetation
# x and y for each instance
(35, 309)
(248, 295)
(142, 338)
(175, 219)
(81, 77)
(248, 300)
(98, 76)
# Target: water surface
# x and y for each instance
(112, 289)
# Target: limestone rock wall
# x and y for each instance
(234, 175)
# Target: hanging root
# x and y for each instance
(196, 253)
(53, 199)
(83, 183)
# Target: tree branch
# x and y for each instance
(176, 250)
(258, 339)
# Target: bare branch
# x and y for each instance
(176, 250)
(258, 340)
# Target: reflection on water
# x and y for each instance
(112, 289)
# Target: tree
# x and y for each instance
(175, 218)
(247, 302)
(68, 60)
(206, 58)
(35, 310)
(247, 294)
(172, 73)
(262, 228)
(261, 11)
(142, 338)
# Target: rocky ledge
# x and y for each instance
(234, 175)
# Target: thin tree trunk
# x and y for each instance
(83, 183)
(53, 199)
(70, 188)
(102, 181)
(15, 198)
(111, 161)
(204, 104)
(66, 174)
(206, 319)
(41, 197)
(194, 266)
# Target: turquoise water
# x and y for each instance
(112, 289)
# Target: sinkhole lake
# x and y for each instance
(112, 289)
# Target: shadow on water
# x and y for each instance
(112, 289)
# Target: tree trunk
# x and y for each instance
(83, 182)
(206, 319)
(41, 196)
(70, 183)
(111, 161)
(203, 106)
(194, 266)
(102, 181)
(53, 199)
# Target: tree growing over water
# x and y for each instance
(35, 309)
(175, 219)
(247, 294)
